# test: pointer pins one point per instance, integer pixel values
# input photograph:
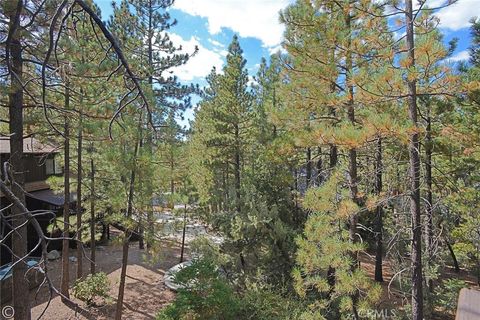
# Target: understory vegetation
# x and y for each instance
(340, 180)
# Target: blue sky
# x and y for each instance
(211, 24)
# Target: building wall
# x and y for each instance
(35, 170)
(35, 166)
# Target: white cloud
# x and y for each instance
(461, 56)
(432, 3)
(216, 43)
(274, 50)
(457, 16)
(218, 47)
(248, 18)
(199, 65)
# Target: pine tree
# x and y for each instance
(331, 104)
(227, 118)
(14, 47)
(223, 126)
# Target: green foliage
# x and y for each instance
(466, 229)
(221, 132)
(268, 303)
(92, 287)
(325, 246)
(242, 186)
(337, 89)
(446, 295)
(206, 295)
(202, 246)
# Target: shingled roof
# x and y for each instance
(30, 145)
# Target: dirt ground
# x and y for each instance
(145, 293)
(394, 299)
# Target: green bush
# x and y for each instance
(206, 295)
(267, 304)
(92, 287)
(446, 295)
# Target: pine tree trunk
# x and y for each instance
(478, 268)
(237, 169)
(92, 216)
(149, 139)
(309, 167)
(379, 214)
(79, 203)
(319, 167)
(66, 203)
(19, 238)
(414, 155)
(141, 233)
(183, 233)
(225, 190)
(352, 158)
(295, 194)
(429, 196)
(454, 257)
(141, 230)
(333, 156)
(150, 227)
(353, 177)
(126, 240)
(172, 181)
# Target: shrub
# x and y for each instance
(267, 304)
(91, 287)
(206, 295)
(446, 296)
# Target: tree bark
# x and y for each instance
(237, 169)
(19, 238)
(224, 190)
(379, 213)
(319, 167)
(66, 203)
(309, 167)
(126, 240)
(172, 181)
(79, 202)
(333, 156)
(414, 155)
(141, 221)
(333, 160)
(183, 233)
(141, 233)
(352, 157)
(429, 196)
(454, 257)
(92, 215)
(149, 138)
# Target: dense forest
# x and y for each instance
(341, 181)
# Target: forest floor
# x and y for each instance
(394, 300)
(145, 292)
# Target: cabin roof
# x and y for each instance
(30, 145)
(52, 197)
